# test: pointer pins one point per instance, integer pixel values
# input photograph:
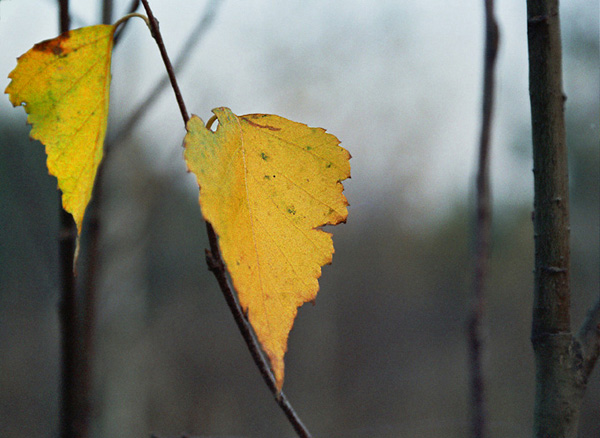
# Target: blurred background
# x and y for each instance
(383, 352)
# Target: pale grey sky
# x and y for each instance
(398, 82)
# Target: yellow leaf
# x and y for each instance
(63, 84)
(266, 185)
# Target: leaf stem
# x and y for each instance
(211, 121)
(133, 14)
(217, 267)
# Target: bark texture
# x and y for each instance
(563, 361)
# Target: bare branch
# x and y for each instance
(64, 16)
(482, 231)
(107, 11)
(217, 267)
(154, 27)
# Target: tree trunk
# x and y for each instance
(560, 358)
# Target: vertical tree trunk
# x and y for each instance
(560, 374)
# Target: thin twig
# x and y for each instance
(482, 229)
(64, 17)
(107, 11)
(154, 26)
(217, 267)
(206, 19)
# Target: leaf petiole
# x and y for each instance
(211, 121)
(133, 14)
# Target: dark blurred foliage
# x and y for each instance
(381, 354)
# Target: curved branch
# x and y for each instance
(217, 267)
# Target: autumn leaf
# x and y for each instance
(63, 84)
(266, 185)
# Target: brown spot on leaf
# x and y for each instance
(54, 46)
(270, 128)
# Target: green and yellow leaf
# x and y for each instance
(63, 84)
